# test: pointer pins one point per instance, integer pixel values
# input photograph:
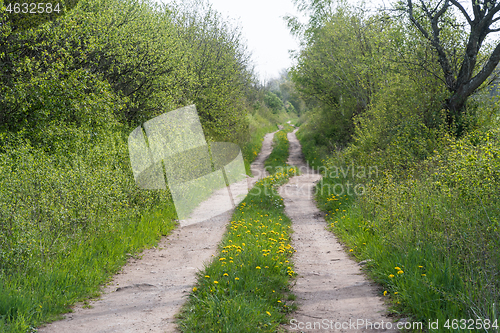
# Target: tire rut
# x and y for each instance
(331, 289)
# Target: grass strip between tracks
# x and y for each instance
(247, 285)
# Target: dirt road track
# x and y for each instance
(147, 294)
(330, 286)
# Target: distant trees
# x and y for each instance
(285, 91)
(273, 102)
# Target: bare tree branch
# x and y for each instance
(415, 22)
(462, 9)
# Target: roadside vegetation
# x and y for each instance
(410, 160)
(73, 86)
(246, 287)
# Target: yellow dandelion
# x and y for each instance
(258, 267)
(269, 313)
(391, 276)
(385, 292)
(194, 289)
(216, 282)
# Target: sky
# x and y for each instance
(265, 31)
(267, 36)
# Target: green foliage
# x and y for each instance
(401, 128)
(30, 298)
(426, 219)
(181, 56)
(339, 70)
(30, 15)
(273, 102)
(259, 126)
(279, 156)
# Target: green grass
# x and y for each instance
(28, 299)
(279, 156)
(246, 288)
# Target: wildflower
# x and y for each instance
(216, 282)
(397, 268)
(194, 289)
(351, 250)
(391, 276)
(400, 272)
(207, 276)
(236, 278)
(423, 275)
(222, 259)
(225, 274)
(385, 292)
(269, 313)
(258, 267)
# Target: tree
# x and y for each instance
(273, 102)
(464, 69)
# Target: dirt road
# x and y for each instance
(147, 294)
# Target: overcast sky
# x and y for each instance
(265, 31)
(268, 38)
